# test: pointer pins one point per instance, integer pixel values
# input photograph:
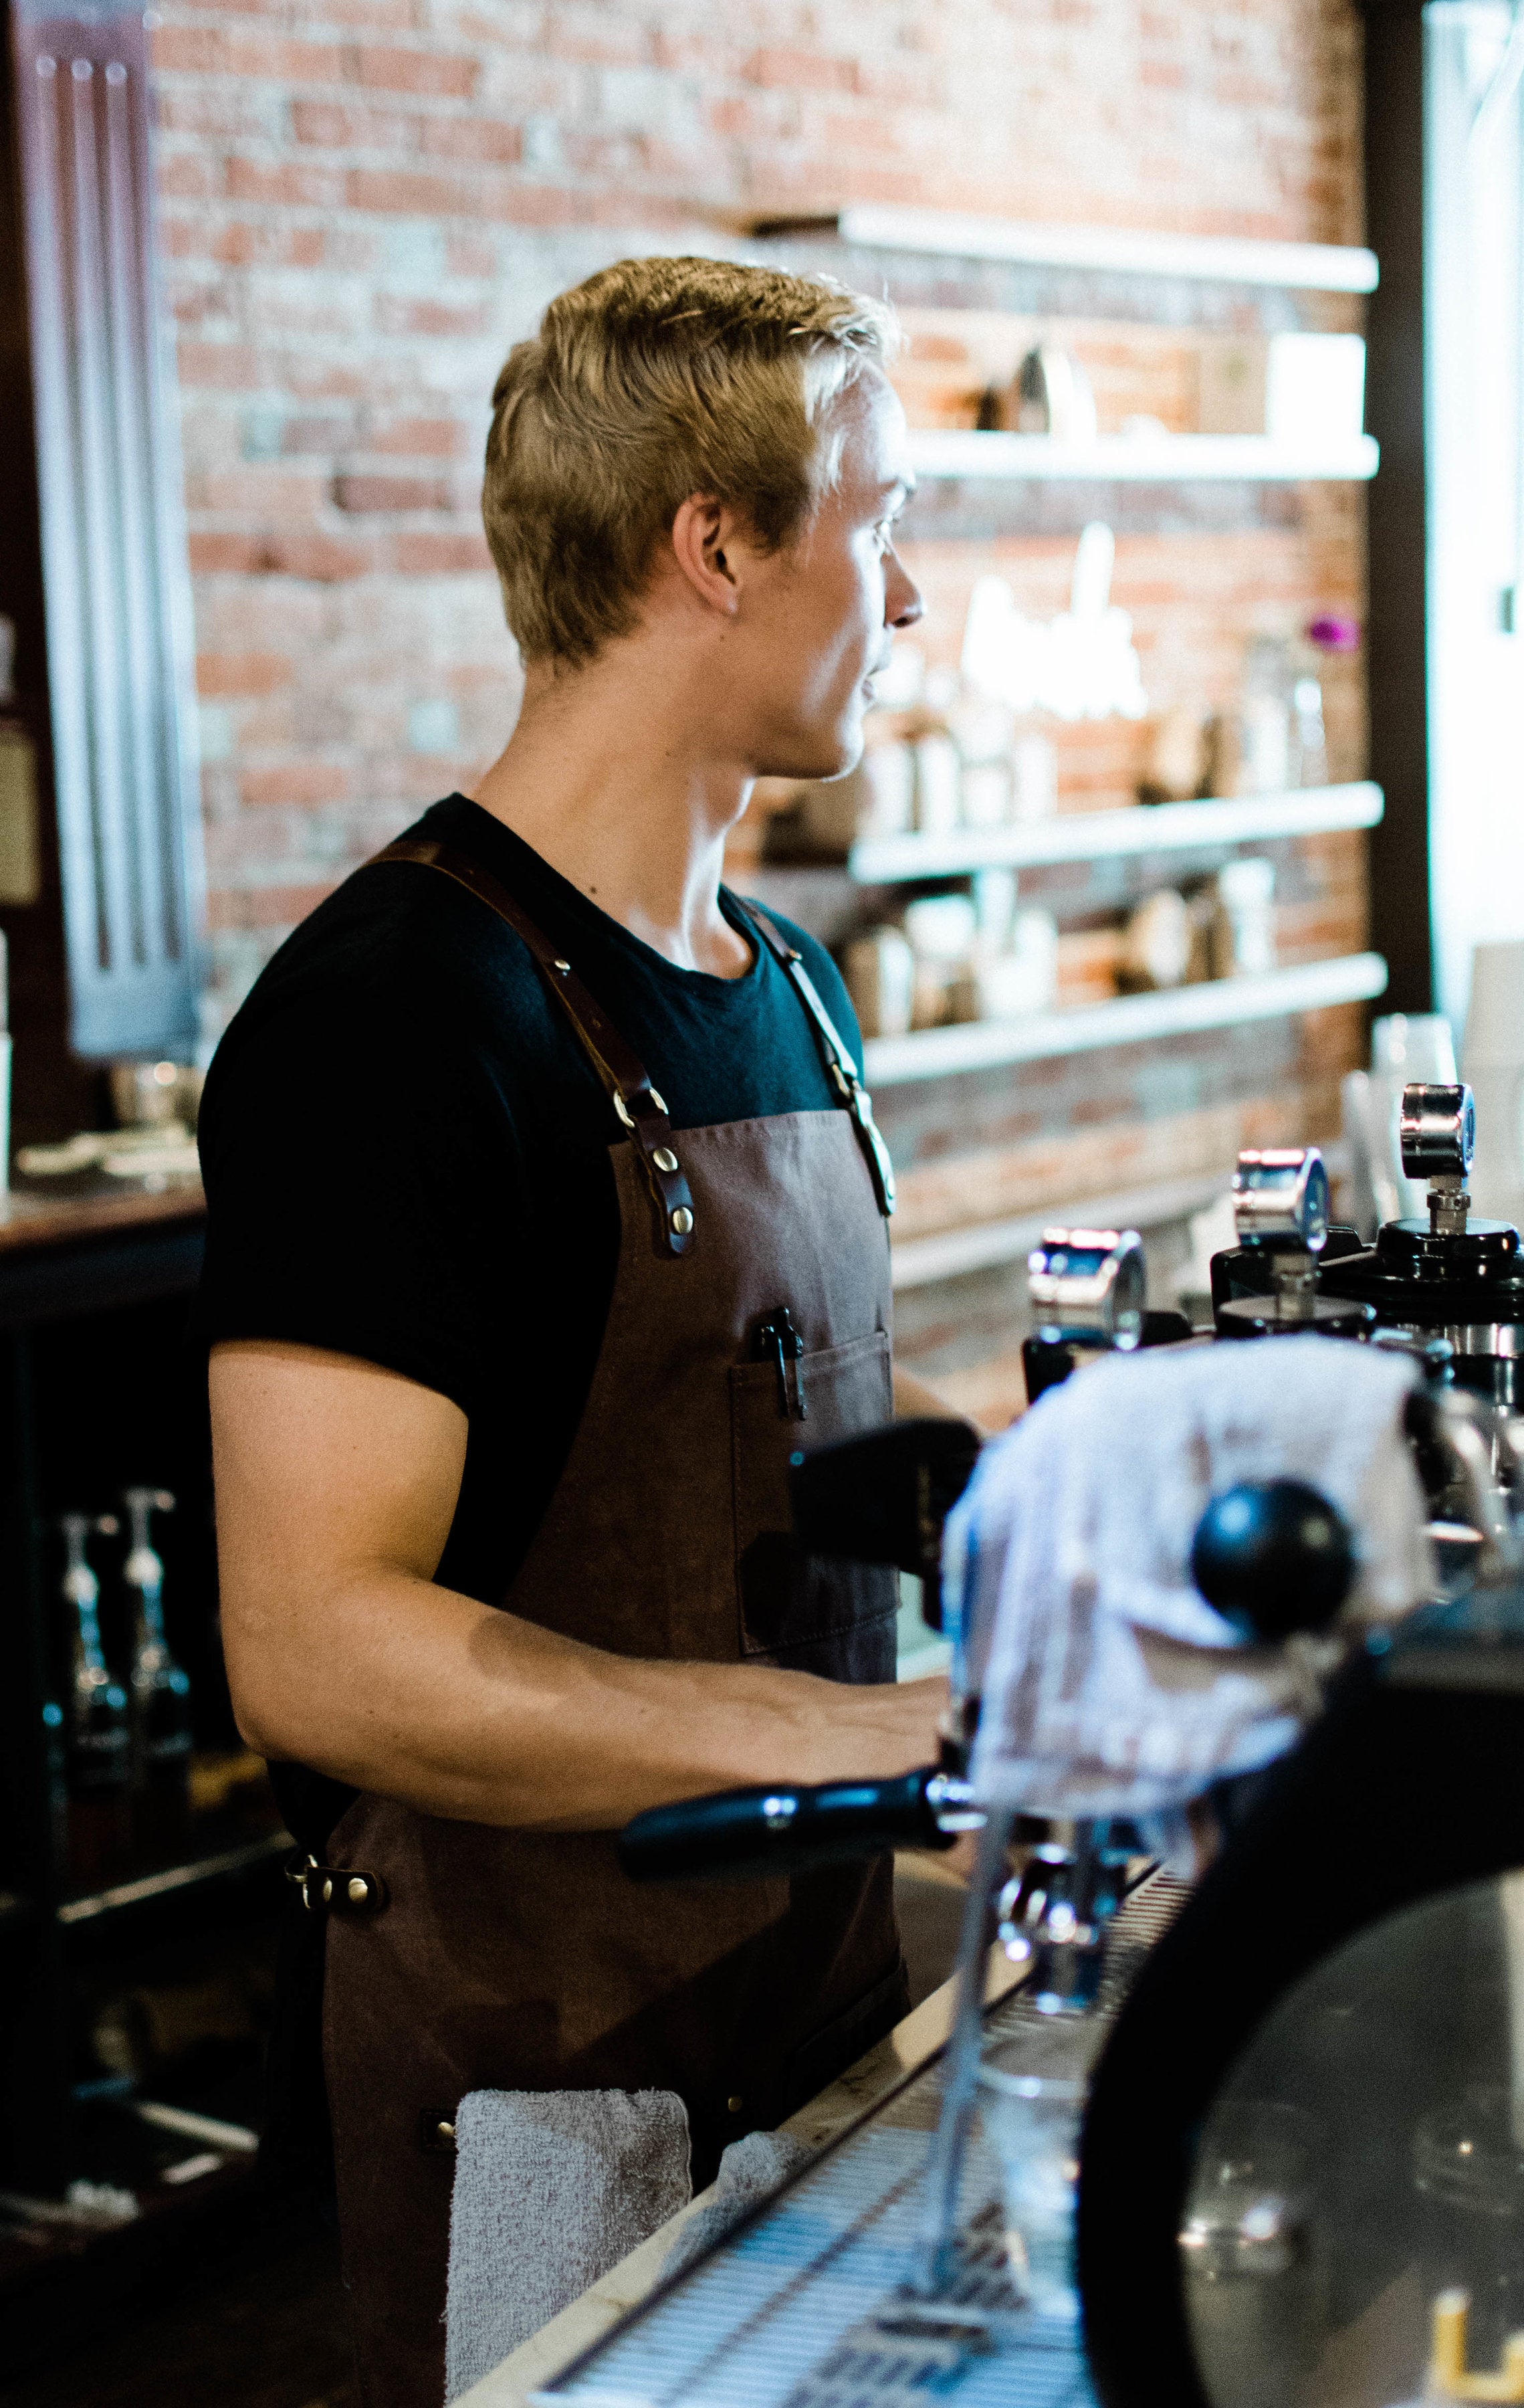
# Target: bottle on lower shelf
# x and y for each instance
(163, 1737)
(98, 1736)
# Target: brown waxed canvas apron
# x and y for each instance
(514, 1960)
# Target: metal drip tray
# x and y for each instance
(807, 2304)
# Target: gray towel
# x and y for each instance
(551, 2189)
(750, 2172)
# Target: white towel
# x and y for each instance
(750, 2170)
(551, 2189)
(1110, 1685)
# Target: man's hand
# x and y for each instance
(336, 1484)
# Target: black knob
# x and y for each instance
(1273, 1556)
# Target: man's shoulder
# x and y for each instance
(399, 966)
(824, 976)
(396, 937)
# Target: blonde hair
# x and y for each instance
(654, 380)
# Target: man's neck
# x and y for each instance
(612, 778)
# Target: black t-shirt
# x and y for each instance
(405, 1150)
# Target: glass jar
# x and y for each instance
(1031, 2122)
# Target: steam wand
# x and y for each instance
(1272, 1557)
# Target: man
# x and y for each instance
(547, 1219)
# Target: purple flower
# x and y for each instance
(1334, 634)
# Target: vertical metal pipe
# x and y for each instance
(961, 2065)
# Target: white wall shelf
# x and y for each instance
(1223, 259)
(984, 1245)
(1127, 1019)
(1096, 836)
(969, 453)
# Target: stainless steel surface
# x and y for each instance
(1438, 1131)
(1280, 1200)
(809, 2304)
(1088, 1286)
(945, 2165)
(1465, 1428)
(951, 1802)
(1505, 1338)
(1054, 1916)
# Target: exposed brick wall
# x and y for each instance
(366, 201)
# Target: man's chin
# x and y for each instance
(821, 760)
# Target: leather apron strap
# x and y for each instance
(851, 1094)
(625, 1077)
(621, 1074)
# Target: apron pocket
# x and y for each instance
(813, 1612)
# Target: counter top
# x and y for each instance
(35, 1217)
(866, 2087)
(94, 1248)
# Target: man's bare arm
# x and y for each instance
(336, 1483)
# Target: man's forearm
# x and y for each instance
(336, 1483)
(469, 1712)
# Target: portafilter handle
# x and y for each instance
(1438, 1135)
(749, 1834)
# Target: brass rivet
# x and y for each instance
(665, 1159)
(564, 967)
(358, 1891)
(327, 1891)
(734, 2105)
(446, 2132)
(682, 1221)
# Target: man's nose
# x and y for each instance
(903, 604)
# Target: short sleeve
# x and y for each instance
(347, 1152)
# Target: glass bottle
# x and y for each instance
(55, 1758)
(98, 1746)
(1309, 741)
(1266, 719)
(161, 1697)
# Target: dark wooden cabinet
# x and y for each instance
(100, 1387)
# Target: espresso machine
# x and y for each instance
(1302, 2172)
(1452, 1282)
(1281, 1208)
(1301, 2168)
(1301, 2175)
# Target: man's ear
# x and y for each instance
(709, 545)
